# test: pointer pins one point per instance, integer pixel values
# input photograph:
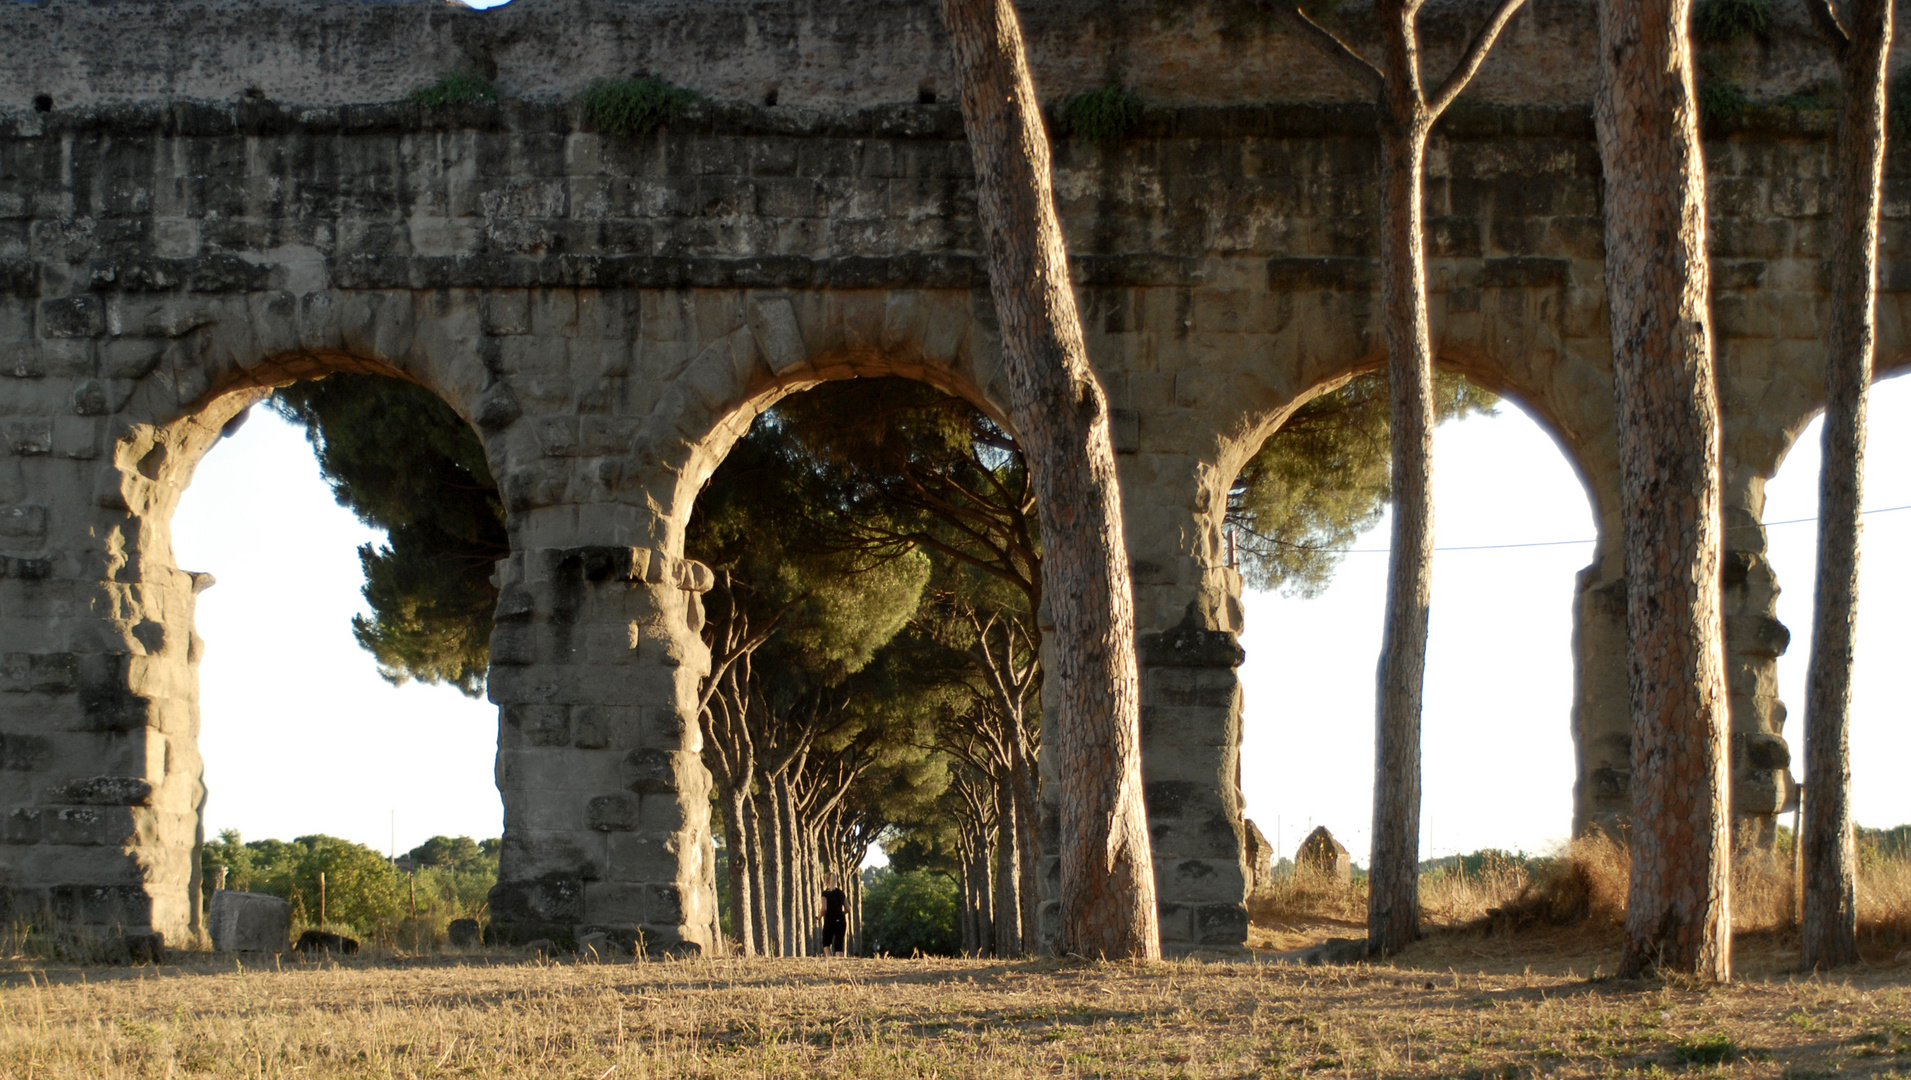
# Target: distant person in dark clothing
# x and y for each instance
(835, 921)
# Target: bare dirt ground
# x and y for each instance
(1456, 1005)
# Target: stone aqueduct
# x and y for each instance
(197, 204)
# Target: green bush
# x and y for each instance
(457, 88)
(909, 913)
(634, 107)
(1103, 116)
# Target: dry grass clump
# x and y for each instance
(1764, 893)
(1884, 899)
(1307, 895)
(1459, 897)
(1585, 885)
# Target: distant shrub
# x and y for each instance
(909, 913)
(1103, 116)
(634, 107)
(457, 88)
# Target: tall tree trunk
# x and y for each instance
(759, 909)
(1828, 934)
(1678, 915)
(981, 863)
(735, 827)
(853, 887)
(1022, 775)
(1061, 420)
(773, 870)
(787, 857)
(1008, 905)
(1407, 115)
(967, 890)
(1393, 904)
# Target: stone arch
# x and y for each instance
(105, 832)
(762, 347)
(605, 828)
(1195, 684)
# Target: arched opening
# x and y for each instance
(1514, 528)
(361, 759)
(874, 679)
(1880, 682)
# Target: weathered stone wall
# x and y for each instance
(610, 314)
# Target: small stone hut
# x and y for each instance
(1321, 854)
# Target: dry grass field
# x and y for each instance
(1495, 990)
(1458, 1004)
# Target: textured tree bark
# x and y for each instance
(1023, 775)
(1008, 872)
(1393, 898)
(741, 906)
(1407, 115)
(1828, 932)
(1678, 916)
(1061, 420)
(759, 911)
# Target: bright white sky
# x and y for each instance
(301, 736)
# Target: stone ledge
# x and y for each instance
(1190, 647)
(1254, 119)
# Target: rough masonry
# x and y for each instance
(203, 199)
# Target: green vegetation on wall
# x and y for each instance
(1105, 116)
(634, 108)
(457, 88)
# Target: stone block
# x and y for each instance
(89, 825)
(1201, 880)
(640, 856)
(104, 791)
(612, 813)
(248, 922)
(1220, 924)
(72, 317)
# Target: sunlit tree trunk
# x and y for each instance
(1406, 118)
(1828, 934)
(1393, 904)
(1678, 916)
(1061, 421)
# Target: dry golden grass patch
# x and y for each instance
(938, 1018)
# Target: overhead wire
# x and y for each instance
(1559, 543)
